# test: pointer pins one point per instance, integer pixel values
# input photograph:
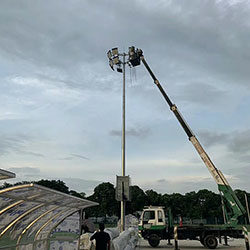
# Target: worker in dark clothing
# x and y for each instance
(102, 238)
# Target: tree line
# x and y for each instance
(203, 204)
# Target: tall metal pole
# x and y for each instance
(118, 61)
(123, 203)
(123, 118)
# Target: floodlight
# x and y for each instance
(116, 60)
(131, 51)
(115, 51)
(111, 64)
(134, 56)
(139, 52)
(109, 54)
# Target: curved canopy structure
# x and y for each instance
(6, 174)
(29, 213)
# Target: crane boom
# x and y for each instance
(223, 185)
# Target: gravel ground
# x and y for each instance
(235, 244)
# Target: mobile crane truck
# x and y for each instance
(153, 224)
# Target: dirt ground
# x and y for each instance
(234, 244)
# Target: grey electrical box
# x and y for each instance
(122, 188)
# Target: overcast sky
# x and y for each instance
(60, 103)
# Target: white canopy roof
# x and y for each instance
(28, 213)
(6, 174)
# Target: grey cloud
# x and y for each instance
(244, 170)
(242, 175)
(240, 142)
(244, 158)
(77, 184)
(210, 138)
(59, 80)
(194, 45)
(71, 44)
(198, 44)
(133, 132)
(80, 156)
(81, 185)
(70, 158)
(201, 93)
(25, 170)
(66, 158)
(237, 142)
(12, 143)
(177, 186)
(31, 153)
(161, 180)
(116, 133)
(16, 143)
(189, 184)
(41, 37)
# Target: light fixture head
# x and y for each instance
(131, 51)
(139, 52)
(115, 51)
(111, 64)
(109, 54)
(116, 60)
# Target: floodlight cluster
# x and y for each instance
(134, 58)
(113, 57)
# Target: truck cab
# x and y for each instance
(152, 217)
(153, 225)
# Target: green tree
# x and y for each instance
(7, 185)
(209, 203)
(241, 196)
(153, 198)
(138, 199)
(104, 194)
(190, 201)
(54, 184)
(177, 204)
(76, 194)
(203, 204)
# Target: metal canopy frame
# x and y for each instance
(4, 174)
(29, 212)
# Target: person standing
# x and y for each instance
(102, 238)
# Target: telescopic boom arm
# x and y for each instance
(223, 185)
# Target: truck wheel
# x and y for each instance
(154, 240)
(210, 242)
